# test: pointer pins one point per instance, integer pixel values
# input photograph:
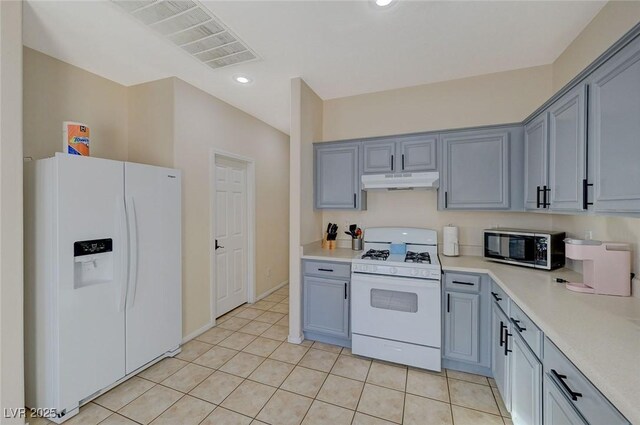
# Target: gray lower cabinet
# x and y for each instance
(337, 176)
(499, 354)
(557, 408)
(567, 151)
(400, 154)
(325, 301)
(536, 137)
(614, 149)
(526, 383)
(475, 170)
(466, 325)
(461, 326)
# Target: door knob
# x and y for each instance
(218, 246)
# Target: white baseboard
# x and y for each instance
(295, 339)
(272, 290)
(198, 332)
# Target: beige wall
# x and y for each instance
(150, 123)
(11, 256)
(55, 91)
(306, 223)
(611, 23)
(498, 98)
(489, 99)
(201, 123)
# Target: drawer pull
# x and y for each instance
(496, 297)
(518, 327)
(502, 328)
(458, 282)
(326, 270)
(561, 378)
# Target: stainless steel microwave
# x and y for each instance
(529, 248)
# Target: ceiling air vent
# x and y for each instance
(193, 27)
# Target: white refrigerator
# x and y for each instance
(102, 276)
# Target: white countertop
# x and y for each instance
(599, 334)
(314, 251)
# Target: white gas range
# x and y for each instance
(395, 297)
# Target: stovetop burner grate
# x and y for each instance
(375, 254)
(417, 257)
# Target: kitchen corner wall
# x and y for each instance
(173, 124)
(503, 97)
(306, 223)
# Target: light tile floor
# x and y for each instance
(244, 372)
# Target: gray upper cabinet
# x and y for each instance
(535, 162)
(567, 150)
(417, 153)
(400, 154)
(475, 170)
(379, 157)
(337, 176)
(614, 126)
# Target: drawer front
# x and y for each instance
(327, 269)
(396, 352)
(462, 282)
(591, 404)
(500, 297)
(531, 334)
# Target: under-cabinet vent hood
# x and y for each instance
(401, 181)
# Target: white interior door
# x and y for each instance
(230, 221)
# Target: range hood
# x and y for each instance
(401, 181)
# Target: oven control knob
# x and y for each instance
(393, 270)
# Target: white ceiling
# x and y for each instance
(340, 48)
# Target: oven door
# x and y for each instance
(511, 248)
(396, 308)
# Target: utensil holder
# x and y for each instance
(356, 244)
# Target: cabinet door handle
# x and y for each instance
(448, 302)
(391, 162)
(546, 190)
(506, 342)
(345, 290)
(561, 378)
(402, 162)
(496, 297)
(538, 197)
(325, 270)
(502, 329)
(459, 282)
(518, 327)
(585, 194)
(446, 199)
(354, 200)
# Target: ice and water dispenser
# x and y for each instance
(93, 262)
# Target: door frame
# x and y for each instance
(251, 226)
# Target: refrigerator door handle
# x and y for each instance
(124, 252)
(133, 253)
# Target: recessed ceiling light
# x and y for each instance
(242, 79)
(383, 3)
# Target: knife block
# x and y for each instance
(327, 244)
